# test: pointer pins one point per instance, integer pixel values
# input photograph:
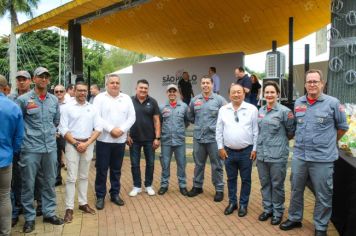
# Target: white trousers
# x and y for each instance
(78, 165)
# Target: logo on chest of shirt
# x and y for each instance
(31, 104)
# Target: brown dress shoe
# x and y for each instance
(87, 209)
(68, 217)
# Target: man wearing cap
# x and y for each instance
(118, 113)
(80, 126)
(23, 82)
(203, 112)
(40, 111)
(11, 133)
(174, 120)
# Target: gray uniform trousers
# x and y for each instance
(272, 176)
(200, 154)
(321, 176)
(30, 164)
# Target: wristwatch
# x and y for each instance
(75, 145)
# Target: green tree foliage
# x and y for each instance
(118, 58)
(41, 48)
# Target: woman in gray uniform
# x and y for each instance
(276, 124)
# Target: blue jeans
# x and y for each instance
(239, 161)
(45, 166)
(135, 156)
(108, 155)
(254, 99)
(179, 154)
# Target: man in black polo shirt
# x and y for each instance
(185, 88)
(244, 80)
(145, 133)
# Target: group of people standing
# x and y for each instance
(232, 135)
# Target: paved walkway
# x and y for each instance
(171, 214)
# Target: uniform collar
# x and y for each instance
(319, 99)
(34, 94)
(202, 97)
(275, 107)
(178, 103)
(2, 94)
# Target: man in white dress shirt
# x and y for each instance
(80, 126)
(118, 114)
(236, 135)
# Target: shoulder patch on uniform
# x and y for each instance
(341, 108)
(290, 115)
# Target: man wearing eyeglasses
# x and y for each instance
(40, 111)
(80, 125)
(203, 112)
(59, 92)
(236, 135)
(321, 122)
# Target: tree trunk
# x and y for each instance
(13, 50)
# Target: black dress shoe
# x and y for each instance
(242, 211)
(288, 225)
(219, 196)
(117, 200)
(264, 216)
(320, 233)
(162, 190)
(54, 220)
(183, 191)
(29, 226)
(99, 203)
(276, 220)
(194, 192)
(39, 210)
(14, 221)
(230, 209)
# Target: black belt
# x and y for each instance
(237, 150)
(81, 140)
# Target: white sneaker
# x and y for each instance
(135, 191)
(150, 191)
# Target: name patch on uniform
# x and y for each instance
(31, 104)
(301, 108)
(198, 103)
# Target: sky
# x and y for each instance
(255, 62)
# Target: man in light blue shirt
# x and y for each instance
(11, 134)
